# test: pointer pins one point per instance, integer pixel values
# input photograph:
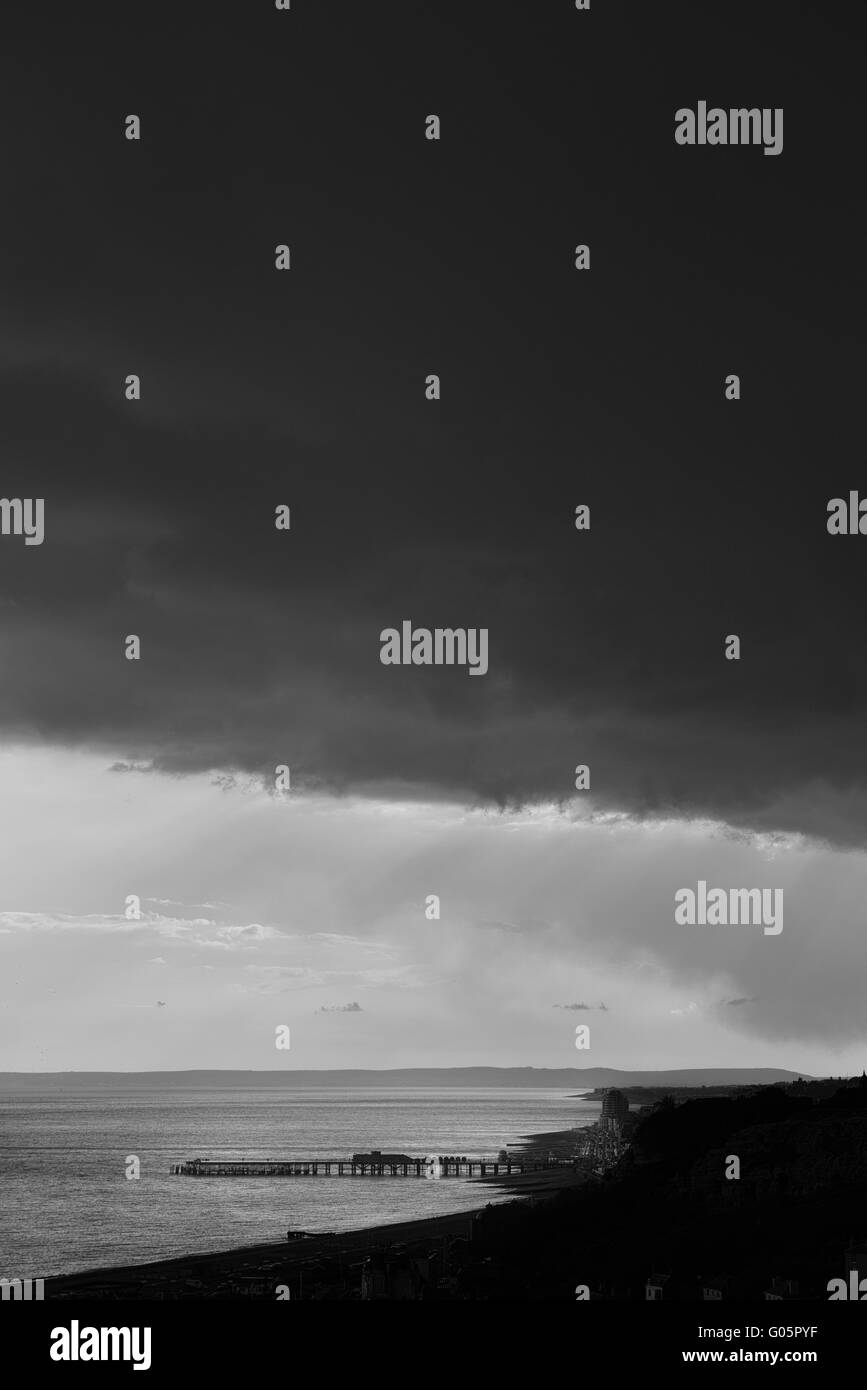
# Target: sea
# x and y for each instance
(66, 1204)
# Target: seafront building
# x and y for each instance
(605, 1142)
(615, 1109)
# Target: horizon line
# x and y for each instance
(483, 1066)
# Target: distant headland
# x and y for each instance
(570, 1078)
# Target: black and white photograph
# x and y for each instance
(433, 673)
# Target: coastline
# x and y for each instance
(188, 1275)
(257, 1270)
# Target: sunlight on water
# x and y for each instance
(66, 1205)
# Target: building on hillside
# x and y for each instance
(783, 1290)
(723, 1286)
(856, 1260)
(615, 1110)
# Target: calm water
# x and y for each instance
(66, 1205)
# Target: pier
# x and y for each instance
(364, 1168)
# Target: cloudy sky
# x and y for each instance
(306, 388)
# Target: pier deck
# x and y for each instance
(346, 1168)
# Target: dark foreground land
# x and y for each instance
(669, 1216)
(257, 1270)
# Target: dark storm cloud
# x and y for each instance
(262, 647)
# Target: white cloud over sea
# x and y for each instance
(314, 900)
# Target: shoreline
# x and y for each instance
(206, 1274)
(253, 1261)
